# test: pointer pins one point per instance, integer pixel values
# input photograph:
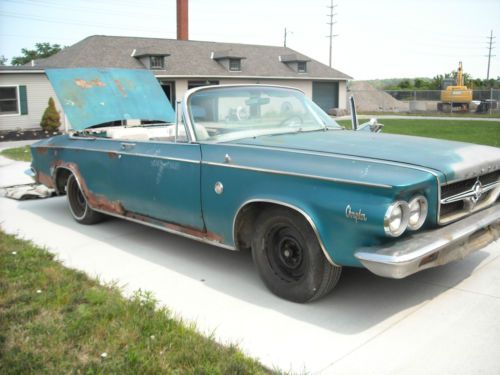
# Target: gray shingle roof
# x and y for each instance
(186, 58)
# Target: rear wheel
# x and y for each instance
(78, 205)
(289, 258)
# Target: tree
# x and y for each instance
(3, 60)
(51, 120)
(41, 51)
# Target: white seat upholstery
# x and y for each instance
(136, 133)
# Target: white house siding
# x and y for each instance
(38, 91)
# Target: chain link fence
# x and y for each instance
(421, 101)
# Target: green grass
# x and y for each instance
(437, 114)
(481, 132)
(54, 320)
(18, 153)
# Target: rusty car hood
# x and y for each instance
(93, 96)
(456, 160)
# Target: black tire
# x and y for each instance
(289, 258)
(78, 206)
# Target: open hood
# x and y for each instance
(92, 96)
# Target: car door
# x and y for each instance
(158, 180)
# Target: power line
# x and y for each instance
(331, 23)
(490, 47)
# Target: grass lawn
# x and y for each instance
(481, 132)
(19, 153)
(438, 114)
(54, 320)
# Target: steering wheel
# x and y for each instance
(292, 120)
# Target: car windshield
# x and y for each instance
(220, 114)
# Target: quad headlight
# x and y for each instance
(418, 212)
(396, 218)
(402, 215)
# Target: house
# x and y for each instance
(177, 64)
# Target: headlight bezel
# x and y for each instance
(404, 218)
(424, 210)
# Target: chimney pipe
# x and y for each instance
(182, 20)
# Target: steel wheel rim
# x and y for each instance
(286, 254)
(77, 201)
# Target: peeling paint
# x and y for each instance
(89, 84)
(95, 201)
(41, 150)
(45, 179)
(177, 228)
(120, 87)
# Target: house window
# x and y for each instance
(157, 62)
(9, 104)
(235, 65)
(194, 84)
(301, 66)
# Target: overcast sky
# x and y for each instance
(376, 39)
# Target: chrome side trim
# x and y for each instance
(433, 248)
(152, 225)
(273, 171)
(295, 208)
(171, 231)
(125, 153)
(359, 158)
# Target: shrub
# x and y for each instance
(51, 120)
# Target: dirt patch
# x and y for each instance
(25, 135)
(369, 99)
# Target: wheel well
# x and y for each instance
(244, 224)
(62, 175)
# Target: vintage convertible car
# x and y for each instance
(263, 168)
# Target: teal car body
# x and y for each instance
(214, 187)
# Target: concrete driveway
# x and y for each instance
(441, 321)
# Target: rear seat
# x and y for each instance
(136, 133)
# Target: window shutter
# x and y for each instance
(23, 98)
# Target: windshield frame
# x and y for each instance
(312, 107)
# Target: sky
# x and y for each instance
(376, 39)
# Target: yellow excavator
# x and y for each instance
(455, 96)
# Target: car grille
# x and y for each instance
(464, 197)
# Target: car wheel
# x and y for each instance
(289, 258)
(78, 204)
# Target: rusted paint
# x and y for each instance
(95, 201)
(194, 232)
(177, 228)
(112, 155)
(89, 84)
(120, 87)
(45, 179)
(41, 150)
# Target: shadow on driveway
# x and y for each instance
(360, 300)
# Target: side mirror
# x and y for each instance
(373, 125)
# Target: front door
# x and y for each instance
(326, 95)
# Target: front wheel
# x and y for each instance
(289, 258)
(78, 205)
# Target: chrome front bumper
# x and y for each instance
(433, 248)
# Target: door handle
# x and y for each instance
(127, 146)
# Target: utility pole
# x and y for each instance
(490, 47)
(331, 23)
(285, 36)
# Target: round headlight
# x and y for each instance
(396, 218)
(418, 212)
